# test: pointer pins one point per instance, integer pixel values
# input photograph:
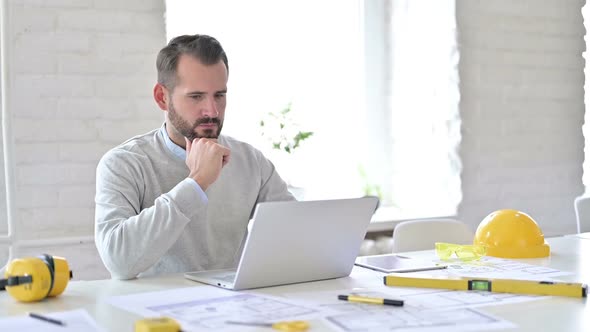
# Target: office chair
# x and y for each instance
(582, 207)
(421, 234)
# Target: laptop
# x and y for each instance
(292, 242)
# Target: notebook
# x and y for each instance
(292, 242)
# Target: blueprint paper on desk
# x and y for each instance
(208, 308)
(74, 320)
(423, 310)
(500, 268)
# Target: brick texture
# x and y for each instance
(522, 109)
(81, 73)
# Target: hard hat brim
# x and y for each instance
(539, 251)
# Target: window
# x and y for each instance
(332, 61)
(425, 123)
(306, 53)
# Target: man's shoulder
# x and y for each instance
(234, 142)
(243, 152)
(235, 145)
(141, 141)
(138, 146)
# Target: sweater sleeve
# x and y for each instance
(272, 187)
(130, 240)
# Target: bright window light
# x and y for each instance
(375, 81)
(305, 53)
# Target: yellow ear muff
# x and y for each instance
(32, 279)
(61, 276)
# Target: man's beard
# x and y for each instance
(189, 131)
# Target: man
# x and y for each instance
(179, 197)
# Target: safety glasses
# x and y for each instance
(463, 252)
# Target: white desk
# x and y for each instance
(551, 314)
(582, 235)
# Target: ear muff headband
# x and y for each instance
(14, 281)
(34, 278)
(62, 275)
(49, 262)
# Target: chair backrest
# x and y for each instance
(582, 207)
(413, 235)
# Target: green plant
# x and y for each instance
(369, 189)
(282, 131)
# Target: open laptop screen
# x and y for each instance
(294, 241)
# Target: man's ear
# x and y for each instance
(161, 96)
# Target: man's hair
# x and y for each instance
(204, 48)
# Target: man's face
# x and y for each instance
(196, 106)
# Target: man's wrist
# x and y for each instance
(197, 188)
(199, 181)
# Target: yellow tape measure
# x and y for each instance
(160, 324)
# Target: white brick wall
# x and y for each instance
(522, 107)
(81, 79)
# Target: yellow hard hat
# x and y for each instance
(511, 234)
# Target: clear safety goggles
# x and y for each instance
(464, 252)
